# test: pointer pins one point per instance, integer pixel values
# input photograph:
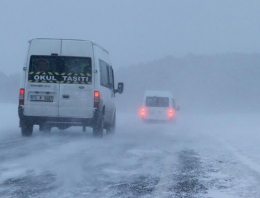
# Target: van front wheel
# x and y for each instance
(98, 128)
(27, 130)
(112, 127)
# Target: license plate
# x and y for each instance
(41, 98)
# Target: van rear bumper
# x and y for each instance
(56, 121)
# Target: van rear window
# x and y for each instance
(60, 69)
(157, 101)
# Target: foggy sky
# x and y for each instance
(133, 31)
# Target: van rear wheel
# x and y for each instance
(98, 128)
(112, 127)
(27, 130)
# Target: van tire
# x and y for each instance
(112, 127)
(98, 128)
(27, 130)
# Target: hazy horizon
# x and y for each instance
(133, 31)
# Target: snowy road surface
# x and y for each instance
(199, 156)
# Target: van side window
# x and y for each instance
(111, 78)
(106, 75)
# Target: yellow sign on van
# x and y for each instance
(55, 77)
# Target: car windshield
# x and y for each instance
(62, 69)
(157, 101)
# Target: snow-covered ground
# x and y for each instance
(9, 120)
(199, 156)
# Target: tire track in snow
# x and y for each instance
(6, 143)
(243, 159)
(182, 176)
(161, 189)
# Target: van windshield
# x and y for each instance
(157, 101)
(60, 69)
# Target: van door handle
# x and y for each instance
(66, 96)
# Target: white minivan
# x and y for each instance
(67, 82)
(158, 106)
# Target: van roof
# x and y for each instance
(158, 93)
(93, 43)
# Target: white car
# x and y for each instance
(158, 106)
(67, 82)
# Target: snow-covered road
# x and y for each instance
(199, 156)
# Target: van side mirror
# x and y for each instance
(177, 108)
(120, 88)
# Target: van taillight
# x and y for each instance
(96, 98)
(171, 113)
(143, 112)
(21, 96)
